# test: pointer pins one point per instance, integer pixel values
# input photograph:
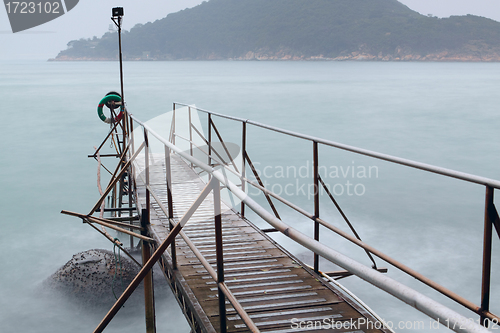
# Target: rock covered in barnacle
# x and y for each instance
(89, 276)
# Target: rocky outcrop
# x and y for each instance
(92, 276)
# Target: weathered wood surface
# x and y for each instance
(272, 286)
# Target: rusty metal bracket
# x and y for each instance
(104, 141)
(223, 144)
(116, 179)
(345, 218)
(493, 213)
(342, 274)
(275, 211)
(209, 145)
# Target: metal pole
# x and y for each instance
(190, 134)
(123, 120)
(168, 172)
(173, 126)
(149, 296)
(209, 142)
(122, 163)
(130, 178)
(488, 224)
(209, 139)
(121, 58)
(148, 280)
(131, 133)
(118, 23)
(146, 167)
(120, 190)
(316, 202)
(220, 257)
(243, 154)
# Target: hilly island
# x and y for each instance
(384, 30)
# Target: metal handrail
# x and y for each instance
(218, 276)
(355, 240)
(491, 215)
(213, 274)
(423, 303)
(389, 158)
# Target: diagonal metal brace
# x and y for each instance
(256, 174)
(103, 222)
(156, 256)
(117, 178)
(104, 141)
(492, 212)
(122, 159)
(330, 195)
(223, 145)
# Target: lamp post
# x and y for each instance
(117, 17)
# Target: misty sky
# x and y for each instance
(92, 18)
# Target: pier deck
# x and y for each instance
(274, 288)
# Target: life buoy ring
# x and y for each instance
(110, 97)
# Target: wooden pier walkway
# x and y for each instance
(275, 288)
(226, 273)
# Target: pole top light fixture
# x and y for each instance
(117, 11)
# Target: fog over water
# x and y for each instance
(444, 114)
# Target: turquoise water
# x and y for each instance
(439, 113)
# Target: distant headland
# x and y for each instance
(370, 30)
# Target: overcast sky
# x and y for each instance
(92, 18)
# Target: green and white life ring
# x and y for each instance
(107, 100)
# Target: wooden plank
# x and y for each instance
(271, 285)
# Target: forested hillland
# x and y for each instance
(299, 30)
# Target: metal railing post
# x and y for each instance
(146, 251)
(404, 293)
(316, 202)
(243, 154)
(486, 275)
(149, 297)
(130, 172)
(168, 171)
(132, 136)
(209, 139)
(219, 254)
(190, 134)
(209, 142)
(146, 168)
(173, 126)
(124, 125)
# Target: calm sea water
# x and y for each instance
(445, 114)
